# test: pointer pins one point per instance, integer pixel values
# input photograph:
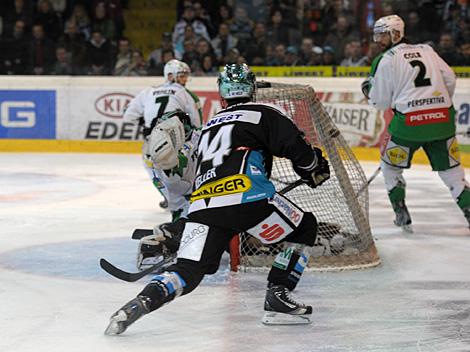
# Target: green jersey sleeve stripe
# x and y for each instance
(375, 64)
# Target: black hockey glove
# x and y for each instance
(319, 174)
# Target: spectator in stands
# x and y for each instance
(305, 51)
(114, 11)
(16, 50)
(255, 50)
(415, 31)
(62, 65)
(342, 34)
(225, 15)
(201, 14)
(58, 6)
(279, 55)
(81, 19)
(75, 44)
(291, 58)
(207, 67)
(137, 66)
(188, 19)
(353, 55)
(317, 56)
(46, 16)
(103, 23)
(156, 56)
(331, 12)
(276, 30)
(312, 26)
(190, 55)
(157, 70)
(123, 57)
(241, 26)
(465, 51)
(20, 12)
(203, 48)
(224, 41)
(41, 51)
(447, 51)
(232, 56)
(328, 56)
(99, 54)
(189, 34)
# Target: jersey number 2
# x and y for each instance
(420, 81)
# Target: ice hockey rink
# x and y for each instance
(60, 213)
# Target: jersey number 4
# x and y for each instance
(216, 148)
(420, 80)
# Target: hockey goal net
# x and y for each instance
(341, 205)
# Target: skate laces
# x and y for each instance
(286, 296)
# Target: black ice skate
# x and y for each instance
(402, 217)
(127, 315)
(281, 309)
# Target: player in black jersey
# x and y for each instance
(231, 194)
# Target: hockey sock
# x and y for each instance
(289, 265)
(163, 288)
(463, 200)
(397, 194)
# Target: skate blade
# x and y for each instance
(114, 327)
(275, 318)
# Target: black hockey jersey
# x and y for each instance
(235, 154)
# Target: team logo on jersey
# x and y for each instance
(273, 229)
(228, 185)
(397, 155)
(425, 117)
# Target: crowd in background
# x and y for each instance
(73, 37)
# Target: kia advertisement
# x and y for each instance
(28, 114)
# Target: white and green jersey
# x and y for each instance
(418, 85)
(151, 103)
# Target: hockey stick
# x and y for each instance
(369, 181)
(132, 277)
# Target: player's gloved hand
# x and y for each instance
(165, 242)
(319, 174)
(365, 87)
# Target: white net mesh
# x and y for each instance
(341, 205)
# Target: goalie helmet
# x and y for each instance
(175, 68)
(236, 81)
(388, 24)
(185, 120)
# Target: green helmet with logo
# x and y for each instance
(236, 81)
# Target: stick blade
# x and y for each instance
(139, 233)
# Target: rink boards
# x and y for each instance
(84, 114)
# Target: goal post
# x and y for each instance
(341, 204)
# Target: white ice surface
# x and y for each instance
(59, 213)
